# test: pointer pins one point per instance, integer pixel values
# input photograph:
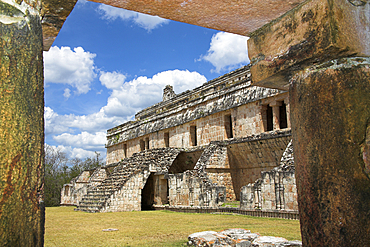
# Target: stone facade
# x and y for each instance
(195, 149)
(73, 192)
(276, 189)
(319, 49)
(226, 107)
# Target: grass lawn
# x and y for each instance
(66, 227)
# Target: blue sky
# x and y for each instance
(108, 63)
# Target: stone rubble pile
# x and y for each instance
(238, 237)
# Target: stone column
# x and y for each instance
(263, 118)
(287, 104)
(21, 124)
(276, 114)
(320, 53)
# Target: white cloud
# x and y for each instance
(227, 51)
(85, 140)
(99, 121)
(147, 22)
(79, 153)
(82, 2)
(80, 135)
(52, 122)
(112, 80)
(142, 92)
(75, 68)
(67, 93)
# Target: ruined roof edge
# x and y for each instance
(170, 105)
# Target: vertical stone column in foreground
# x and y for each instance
(320, 52)
(21, 124)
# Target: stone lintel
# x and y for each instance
(54, 14)
(235, 16)
(314, 32)
(275, 103)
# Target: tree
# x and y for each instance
(60, 170)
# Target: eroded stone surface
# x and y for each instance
(240, 17)
(21, 124)
(366, 151)
(316, 31)
(238, 237)
(54, 14)
(276, 189)
(330, 112)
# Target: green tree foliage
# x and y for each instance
(60, 170)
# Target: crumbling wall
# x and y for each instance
(218, 170)
(250, 156)
(160, 184)
(187, 189)
(128, 197)
(73, 192)
(214, 163)
(275, 190)
(122, 188)
(98, 176)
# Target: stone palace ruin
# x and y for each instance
(317, 50)
(223, 141)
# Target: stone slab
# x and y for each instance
(313, 32)
(239, 17)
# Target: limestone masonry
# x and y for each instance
(238, 237)
(223, 141)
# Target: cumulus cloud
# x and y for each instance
(67, 93)
(130, 97)
(75, 68)
(112, 80)
(99, 121)
(52, 122)
(79, 153)
(227, 51)
(80, 135)
(147, 22)
(85, 140)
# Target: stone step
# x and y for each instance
(95, 198)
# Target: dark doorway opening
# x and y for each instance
(228, 126)
(147, 143)
(147, 194)
(125, 150)
(193, 136)
(166, 139)
(269, 118)
(142, 145)
(283, 116)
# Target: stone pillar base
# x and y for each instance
(330, 114)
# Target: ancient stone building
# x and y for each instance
(197, 148)
(316, 49)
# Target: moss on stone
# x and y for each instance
(9, 10)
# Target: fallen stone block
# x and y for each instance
(237, 237)
(269, 241)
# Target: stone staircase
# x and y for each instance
(155, 160)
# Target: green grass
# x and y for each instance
(233, 204)
(66, 227)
